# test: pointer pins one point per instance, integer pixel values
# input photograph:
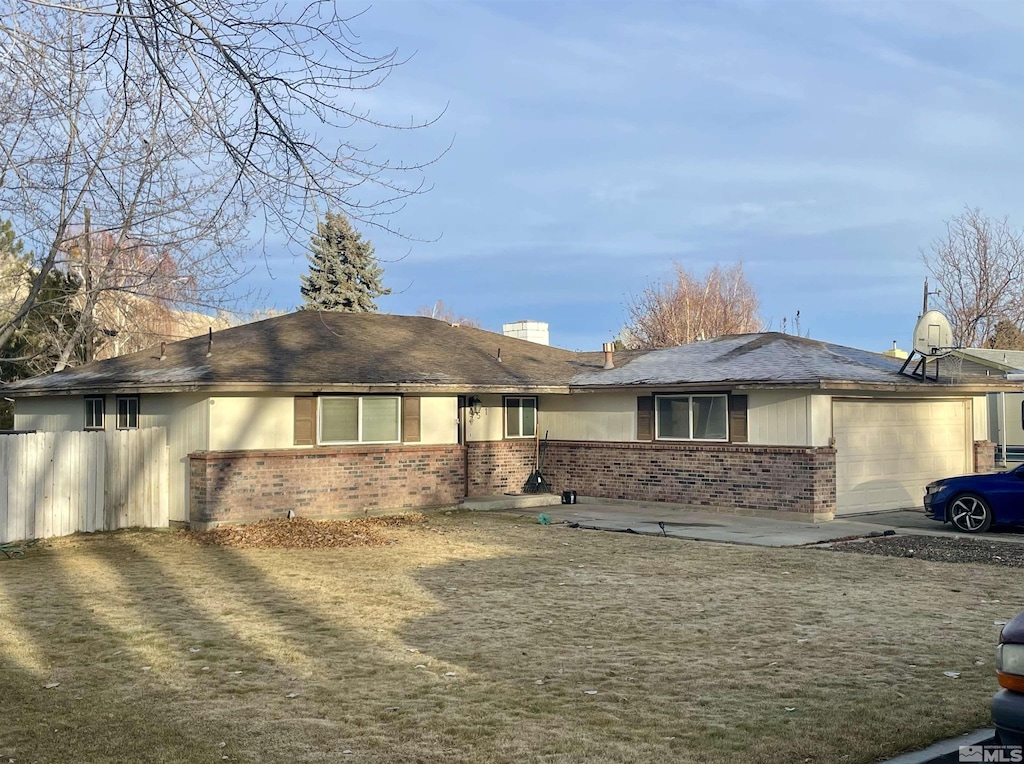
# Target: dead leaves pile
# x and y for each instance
(300, 533)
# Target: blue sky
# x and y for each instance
(823, 144)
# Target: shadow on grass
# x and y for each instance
(113, 605)
(694, 651)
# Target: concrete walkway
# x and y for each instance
(739, 529)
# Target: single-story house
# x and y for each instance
(1006, 410)
(335, 414)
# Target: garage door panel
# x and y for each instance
(886, 451)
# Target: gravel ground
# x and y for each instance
(940, 549)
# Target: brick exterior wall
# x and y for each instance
(500, 466)
(326, 482)
(725, 477)
(984, 456)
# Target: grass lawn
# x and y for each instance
(475, 638)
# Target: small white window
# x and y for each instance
(128, 412)
(692, 417)
(520, 417)
(360, 419)
(94, 413)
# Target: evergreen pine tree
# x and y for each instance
(343, 271)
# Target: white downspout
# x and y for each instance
(1002, 425)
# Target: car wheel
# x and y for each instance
(970, 513)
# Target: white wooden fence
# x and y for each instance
(58, 483)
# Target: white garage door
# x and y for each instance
(887, 451)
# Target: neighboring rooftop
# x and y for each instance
(1006, 360)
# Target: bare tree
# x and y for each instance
(688, 309)
(442, 312)
(177, 123)
(979, 268)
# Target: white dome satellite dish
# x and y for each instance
(933, 336)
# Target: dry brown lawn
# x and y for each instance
(477, 638)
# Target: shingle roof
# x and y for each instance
(308, 348)
(321, 351)
(1008, 359)
(755, 358)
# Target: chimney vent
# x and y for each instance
(163, 351)
(529, 330)
(609, 351)
(499, 355)
(209, 345)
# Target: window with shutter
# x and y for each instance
(343, 419)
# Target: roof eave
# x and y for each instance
(284, 388)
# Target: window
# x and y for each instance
(692, 417)
(128, 412)
(360, 419)
(94, 413)
(520, 417)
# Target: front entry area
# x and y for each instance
(887, 451)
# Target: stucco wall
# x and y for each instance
(439, 420)
(488, 424)
(246, 422)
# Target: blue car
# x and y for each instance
(974, 503)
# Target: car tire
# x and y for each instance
(969, 513)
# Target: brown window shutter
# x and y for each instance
(738, 418)
(411, 419)
(305, 421)
(645, 417)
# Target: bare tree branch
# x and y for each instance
(688, 309)
(979, 268)
(177, 123)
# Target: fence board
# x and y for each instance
(60, 483)
(6, 521)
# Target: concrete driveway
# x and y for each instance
(655, 520)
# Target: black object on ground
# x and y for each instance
(536, 482)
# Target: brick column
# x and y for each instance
(984, 456)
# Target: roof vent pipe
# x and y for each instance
(163, 351)
(209, 346)
(499, 355)
(609, 351)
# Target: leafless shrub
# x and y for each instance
(689, 308)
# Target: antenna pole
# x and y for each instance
(924, 308)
